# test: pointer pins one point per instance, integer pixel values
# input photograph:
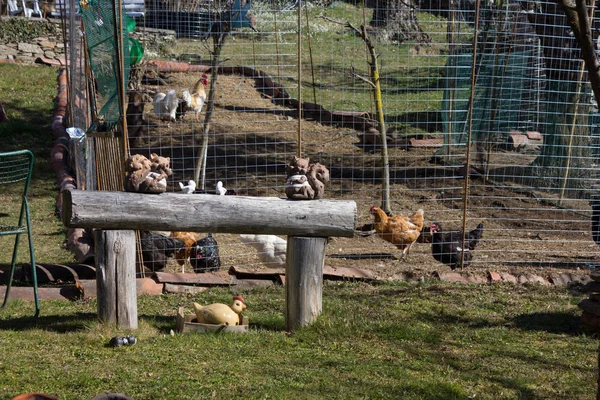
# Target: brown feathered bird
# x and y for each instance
(400, 230)
(188, 238)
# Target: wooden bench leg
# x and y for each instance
(115, 277)
(305, 259)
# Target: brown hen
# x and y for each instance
(400, 230)
(189, 238)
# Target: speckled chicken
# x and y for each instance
(400, 230)
(204, 255)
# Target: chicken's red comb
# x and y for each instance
(240, 298)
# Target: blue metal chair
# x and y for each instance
(15, 170)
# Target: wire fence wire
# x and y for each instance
(534, 125)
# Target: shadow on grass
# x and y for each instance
(164, 324)
(53, 323)
(551, 322)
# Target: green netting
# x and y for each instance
(100, 34)
(503, 99)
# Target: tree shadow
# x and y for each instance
(62, 324)
(551, 322)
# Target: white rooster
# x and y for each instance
(165, 105)
(271, 249)
(196, 99)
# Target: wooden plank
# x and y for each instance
(242, 272)
(68, 292)
(184, 289)
(348, 273)
(305, 259)
(204, 213)
(252, 283)
(209, 278)
(328, 273)
(143, 286)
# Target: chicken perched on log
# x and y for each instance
(448, 247)
(400, 230)
(195, 99)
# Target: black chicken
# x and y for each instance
(446, 247)
(595, 203)
(156, 248)
(204, 255)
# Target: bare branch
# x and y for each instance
(362, 78)
(347, 25)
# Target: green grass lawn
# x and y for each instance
(27, 93)
(383, 341)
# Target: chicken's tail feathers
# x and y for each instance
(477, 232)
(181, 185)
(187, 97)
(247, 237)
(475, 235)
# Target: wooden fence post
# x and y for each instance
(304, 280)
(115, 277)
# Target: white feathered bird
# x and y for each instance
(165, 105)
(196, 99)
(270, 248)
(189, 188)
(220, 189)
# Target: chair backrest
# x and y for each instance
(16, 166)
(15, 171)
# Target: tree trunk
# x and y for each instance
(566, 137)
(396, 20)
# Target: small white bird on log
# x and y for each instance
(220, 189)
(189, 188)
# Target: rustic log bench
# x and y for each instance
(116, 216)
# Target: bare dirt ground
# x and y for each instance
(252, 140)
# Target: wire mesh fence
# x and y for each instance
(489, 117)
